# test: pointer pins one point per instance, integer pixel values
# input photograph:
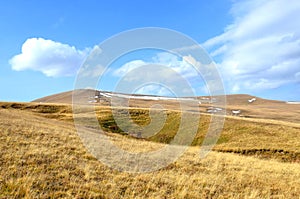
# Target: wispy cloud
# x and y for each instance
(49, 57)
(127, 67)
(176, 64)
(165, 74)
(154, 89)
(261, 48)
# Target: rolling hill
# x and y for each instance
(259, 109)
(42, 156)
(66, 97)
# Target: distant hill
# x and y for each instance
(235, 99)
(66, 97)
(242, 99)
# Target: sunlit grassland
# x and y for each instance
(42, 156)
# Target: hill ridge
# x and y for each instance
(66, 97)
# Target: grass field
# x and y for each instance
(43, 157)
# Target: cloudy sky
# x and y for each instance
(255, 44)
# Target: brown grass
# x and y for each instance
(42, 156)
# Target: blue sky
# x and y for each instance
(254, 43)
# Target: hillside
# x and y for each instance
(257, 154)
(242, 99)
(43, 157)
(66, 97)
(258, 109)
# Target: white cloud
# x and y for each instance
(261, 48)
(176, 64)
(49, 57)
(165, 70)
(154, 89)
(92, 72)
(129, 66)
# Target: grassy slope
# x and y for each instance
(261, 138)
(42, 156)
(256, 137)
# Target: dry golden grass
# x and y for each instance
(41, 156)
